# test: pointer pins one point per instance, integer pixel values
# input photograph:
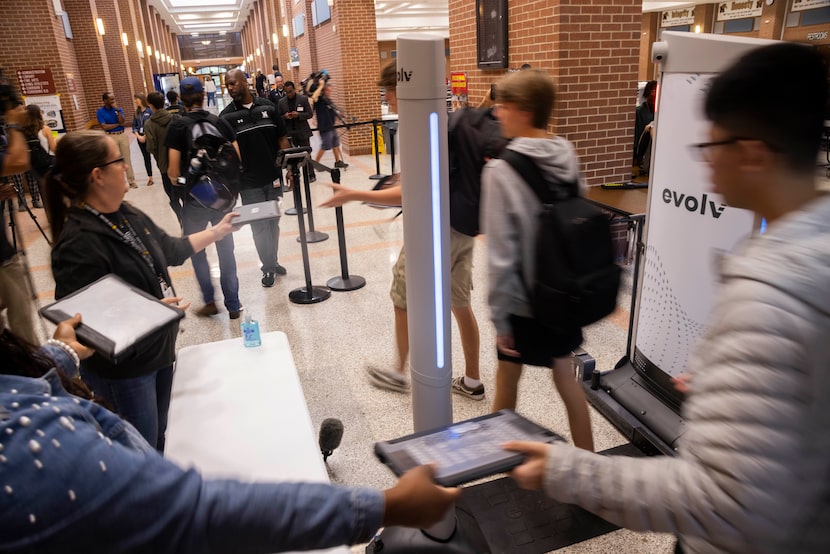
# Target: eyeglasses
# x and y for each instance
(115, 161)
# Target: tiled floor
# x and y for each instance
(333, 341)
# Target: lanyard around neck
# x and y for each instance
(130, 237)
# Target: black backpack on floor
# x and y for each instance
(577, 278)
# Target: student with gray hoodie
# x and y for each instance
(510, 209)
(155, 130)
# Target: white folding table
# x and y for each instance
(240, 413)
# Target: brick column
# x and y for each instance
(649, 27)
(54, 51)
(591, 48)
(90, 52)
(117, 64)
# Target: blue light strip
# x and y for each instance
(435, 178)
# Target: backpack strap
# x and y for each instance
(546, 191)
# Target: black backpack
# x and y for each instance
(40, 160)
(474, 136)
(576, 279)
(213, 166)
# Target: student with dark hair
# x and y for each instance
(140, 116)
(195, 217)
(155, 130)
(753, 465)
(296, 111)
(643, 118)
(174, 104)
(77, 478)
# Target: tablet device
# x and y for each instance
(464, 451)
(116, 316)
(249, 213)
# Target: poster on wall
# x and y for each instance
(740, 10)
(801, 5)
(294, 56)
(50, 105)
(675, 18)
(689, 229)
(458, 89)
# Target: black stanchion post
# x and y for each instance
(345, 281)
(309, 294)
(393, 129)
(312, 235)
(378, 174)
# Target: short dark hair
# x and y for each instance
(156, 99)
(776, 94)
(191, 99)
(289, 84)
(104, 96)
(651, 85)
(172, 96)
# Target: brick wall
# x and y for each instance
(54, 51)
(591, 48)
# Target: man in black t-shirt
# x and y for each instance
(295, 112)
(195, 217)
(261, 134)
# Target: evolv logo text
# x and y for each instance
(692, 204)
(404, 75)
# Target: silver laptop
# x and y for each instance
(249, 213)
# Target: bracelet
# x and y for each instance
(68, 349)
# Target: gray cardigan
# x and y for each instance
(753, 473)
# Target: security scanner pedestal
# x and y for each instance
(687, 229)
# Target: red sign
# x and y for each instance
(34, 82)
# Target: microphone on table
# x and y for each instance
(331, 433)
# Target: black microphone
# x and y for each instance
(331, 433)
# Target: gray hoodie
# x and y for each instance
(510, 211)
(155, 130)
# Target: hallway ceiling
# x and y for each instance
(393, 17)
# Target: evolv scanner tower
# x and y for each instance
(422, 116)
(422, 129)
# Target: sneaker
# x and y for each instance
(234, 314)
(279, 270)
(460, 387)
(207, 310)
(268, 279)
(341, 164)
(133, 186)
(387, 380)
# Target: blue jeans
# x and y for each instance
(195, 219)
(266, 233)
(143, 401)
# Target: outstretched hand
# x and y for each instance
(341, 196)
(530, 474)
(65, 332)
(416, 501)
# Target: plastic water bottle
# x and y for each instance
(250, 332)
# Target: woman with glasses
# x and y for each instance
(95, 233)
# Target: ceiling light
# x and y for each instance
(285, 29)
(140, 48)
(99, 24)
(125, 39)
(274, 39)
(149, 50)
(205, 42)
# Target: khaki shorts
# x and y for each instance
(461, 272)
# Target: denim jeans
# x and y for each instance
(266, 233)
(143, 401)
(195, 219)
